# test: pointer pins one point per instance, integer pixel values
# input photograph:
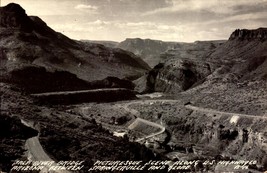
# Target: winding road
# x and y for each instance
(37, 153)
(140, 120)
(206, 110)
(136, 114)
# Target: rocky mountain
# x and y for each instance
(223, 99)
(37, 59)
(238, 81)
(213, 105)
(27, 41)
(157, 51)
(183, 66)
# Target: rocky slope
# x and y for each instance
(229, 98)
(183, 67)
(237, 65)
(238, 83)
(204, 133)
(28, 41)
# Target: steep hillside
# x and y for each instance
(231, 77)
(27, 41)
(111, 44)
(246, 51)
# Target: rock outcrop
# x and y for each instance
(13, 16)
(245, 34)
(180, 75)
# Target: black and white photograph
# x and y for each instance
(136, 86)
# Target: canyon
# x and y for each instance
(155, 100)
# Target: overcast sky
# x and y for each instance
(168, 20)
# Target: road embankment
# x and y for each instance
(82, 96)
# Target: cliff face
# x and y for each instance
(180, 75)
(245, 34)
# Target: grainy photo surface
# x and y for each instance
(133, 86)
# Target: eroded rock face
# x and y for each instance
(180, 75)
(245, 34)
(176, 76)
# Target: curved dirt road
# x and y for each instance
(136, 114)
(206, 110)
(140, 120)
(37, 153)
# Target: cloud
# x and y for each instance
(85, 7)
(250, 16)
(217, 6)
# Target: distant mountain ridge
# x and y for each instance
(154, 52)
(149, 50)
